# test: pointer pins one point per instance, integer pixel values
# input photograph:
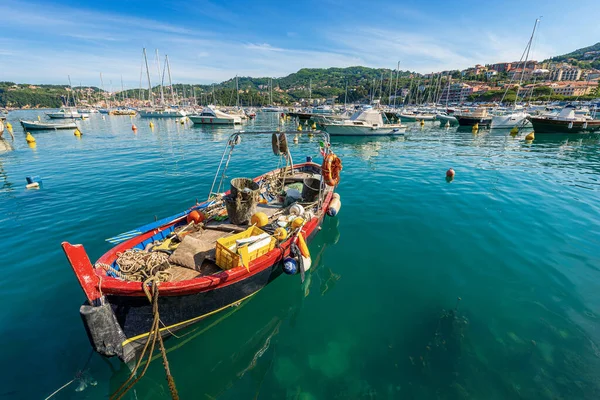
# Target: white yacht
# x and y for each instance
(67, 113)
(164, 112)
(365, 122)
(210, 115)
(512, 118)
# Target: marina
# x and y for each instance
(171, 188)
(285, 311)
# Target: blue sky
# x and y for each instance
(210, 41)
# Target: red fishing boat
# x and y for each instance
(210, 257)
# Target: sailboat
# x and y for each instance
(162, 111)
(516, 117)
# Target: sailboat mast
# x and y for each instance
(526, 58)
(346, 95)
(162, 92)
(141, 74)
(237, 90)
(150, 97)
(103, 91)
(170, 82)
(397, 78)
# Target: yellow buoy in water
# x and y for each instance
(299, 129)
(9, 126)
(530, 136)
(182, 120)
(29, 138)
(77, 132)
(514, 131)
(259, 219)
(475, 128)
(296, 139)
(151, 125)
(39, 119)
(314, 126)
(422, 122)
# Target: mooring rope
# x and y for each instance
(153, 336)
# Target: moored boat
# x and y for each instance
(67, 113)
(566, 121)
(40, 125)
(514, 118)
(365, 122)
(477, 116)
(415, 116)
(161, 113)
(190, 265)
(212, 116)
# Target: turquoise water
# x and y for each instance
(515, 236)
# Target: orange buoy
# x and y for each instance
(133, 127)
(195, 216)
(450, 173)
(302, 246)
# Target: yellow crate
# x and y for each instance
(227, 259)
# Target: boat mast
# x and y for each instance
(346, 95)
(526, 58)
(141, 74)
(103, 91)
(310, 90)
(162, 92)
(170, 83)
(237, 90)
(150, 96)
(122, 90)
(71, 89)
(397, 78)
(390, 91)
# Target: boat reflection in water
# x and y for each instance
(237, 347)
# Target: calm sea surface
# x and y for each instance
(516, 236)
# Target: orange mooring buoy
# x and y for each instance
(133, 127)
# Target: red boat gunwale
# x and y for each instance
(95, 281)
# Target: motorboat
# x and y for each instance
(212, 116)
(566, 121)
(364, 122)
(414, 116)
(41, 125)
(511, 119)
(445, 117)
(164, 112)
(470, 117)
(67, 113)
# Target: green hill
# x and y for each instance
(578, 58)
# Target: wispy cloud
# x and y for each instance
(210, 42)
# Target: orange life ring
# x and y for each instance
(331, 168)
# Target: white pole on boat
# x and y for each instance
(170, 83)
(389, 102)
(141, 75)
(162, 93)
(526, 58)
(150, 97)
(397, 79)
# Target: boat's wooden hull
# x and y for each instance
(134, 314)
(118, 317)
(545, 125)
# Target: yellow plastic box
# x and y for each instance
(227, 259)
